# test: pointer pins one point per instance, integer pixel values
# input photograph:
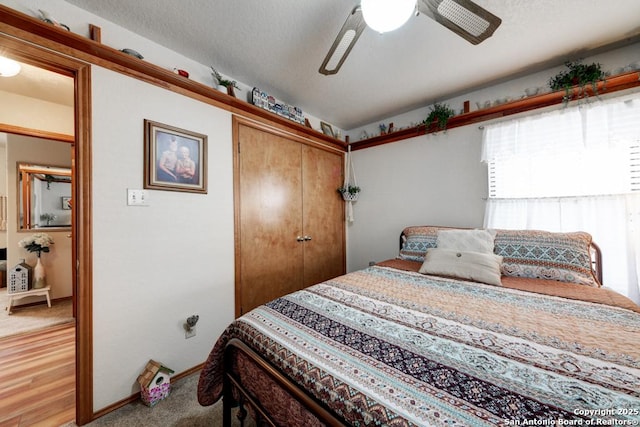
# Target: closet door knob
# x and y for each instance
(300, 239)
(307, 238)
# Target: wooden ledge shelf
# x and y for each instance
(610, 85)
(32, 29)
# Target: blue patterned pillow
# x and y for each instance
(538, 254)
(417, 239)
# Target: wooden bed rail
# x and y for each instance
(231, 383)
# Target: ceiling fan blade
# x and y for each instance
(346, 38)
(465, 18)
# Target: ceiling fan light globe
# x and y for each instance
(8, 67)
(387, 15)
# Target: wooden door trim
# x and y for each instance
(36, 133)
(268, 127)
(235, 137)
(82, 224)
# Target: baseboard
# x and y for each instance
(135, 397)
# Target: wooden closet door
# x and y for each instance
(323, 215)
(270, 261)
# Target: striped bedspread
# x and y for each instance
(383, 346)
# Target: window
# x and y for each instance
(576, 168)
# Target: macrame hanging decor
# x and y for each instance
(350, 189)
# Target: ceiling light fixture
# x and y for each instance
(387, 15)
(8, 67)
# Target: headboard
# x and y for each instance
(428, 236)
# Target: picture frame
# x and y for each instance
(66, 203)
(174, 159)
(327, 129)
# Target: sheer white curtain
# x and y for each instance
(573, 169)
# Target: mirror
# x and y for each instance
(45, 196)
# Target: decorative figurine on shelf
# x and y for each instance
(182, 73)
(39, 243)
(46, 17)
(267, 102)
(132, 53)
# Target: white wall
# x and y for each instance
(155, 266)
(152, 266)
(429, 180)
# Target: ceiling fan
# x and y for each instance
(464, 17)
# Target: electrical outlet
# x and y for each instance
(189, 333)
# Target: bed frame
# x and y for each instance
(237, 392)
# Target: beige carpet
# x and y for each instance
(33, 317)
(180, 409)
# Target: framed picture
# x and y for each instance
(327, 129)
(66, 203)
(174, 159)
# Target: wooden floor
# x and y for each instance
(37, 378)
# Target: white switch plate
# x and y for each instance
(137, 197)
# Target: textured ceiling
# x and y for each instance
(278, 46)
(41, 84)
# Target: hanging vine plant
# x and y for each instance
(440, 115)
(580, 75)
(349, 190)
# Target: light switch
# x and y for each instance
(137, 197)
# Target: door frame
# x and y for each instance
(81, 230)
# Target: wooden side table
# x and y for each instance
(33, 292)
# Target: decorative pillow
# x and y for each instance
(417, 239)
(466, 240)
(476, 266)
(546, 255)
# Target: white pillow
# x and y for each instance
(466, 240)
(475, 266)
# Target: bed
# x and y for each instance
(424, 339)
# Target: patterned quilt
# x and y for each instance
(383, 346)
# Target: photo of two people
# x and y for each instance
(175, 158)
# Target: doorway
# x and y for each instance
(36, 178)
(80, 194)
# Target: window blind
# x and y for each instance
(593, 149)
